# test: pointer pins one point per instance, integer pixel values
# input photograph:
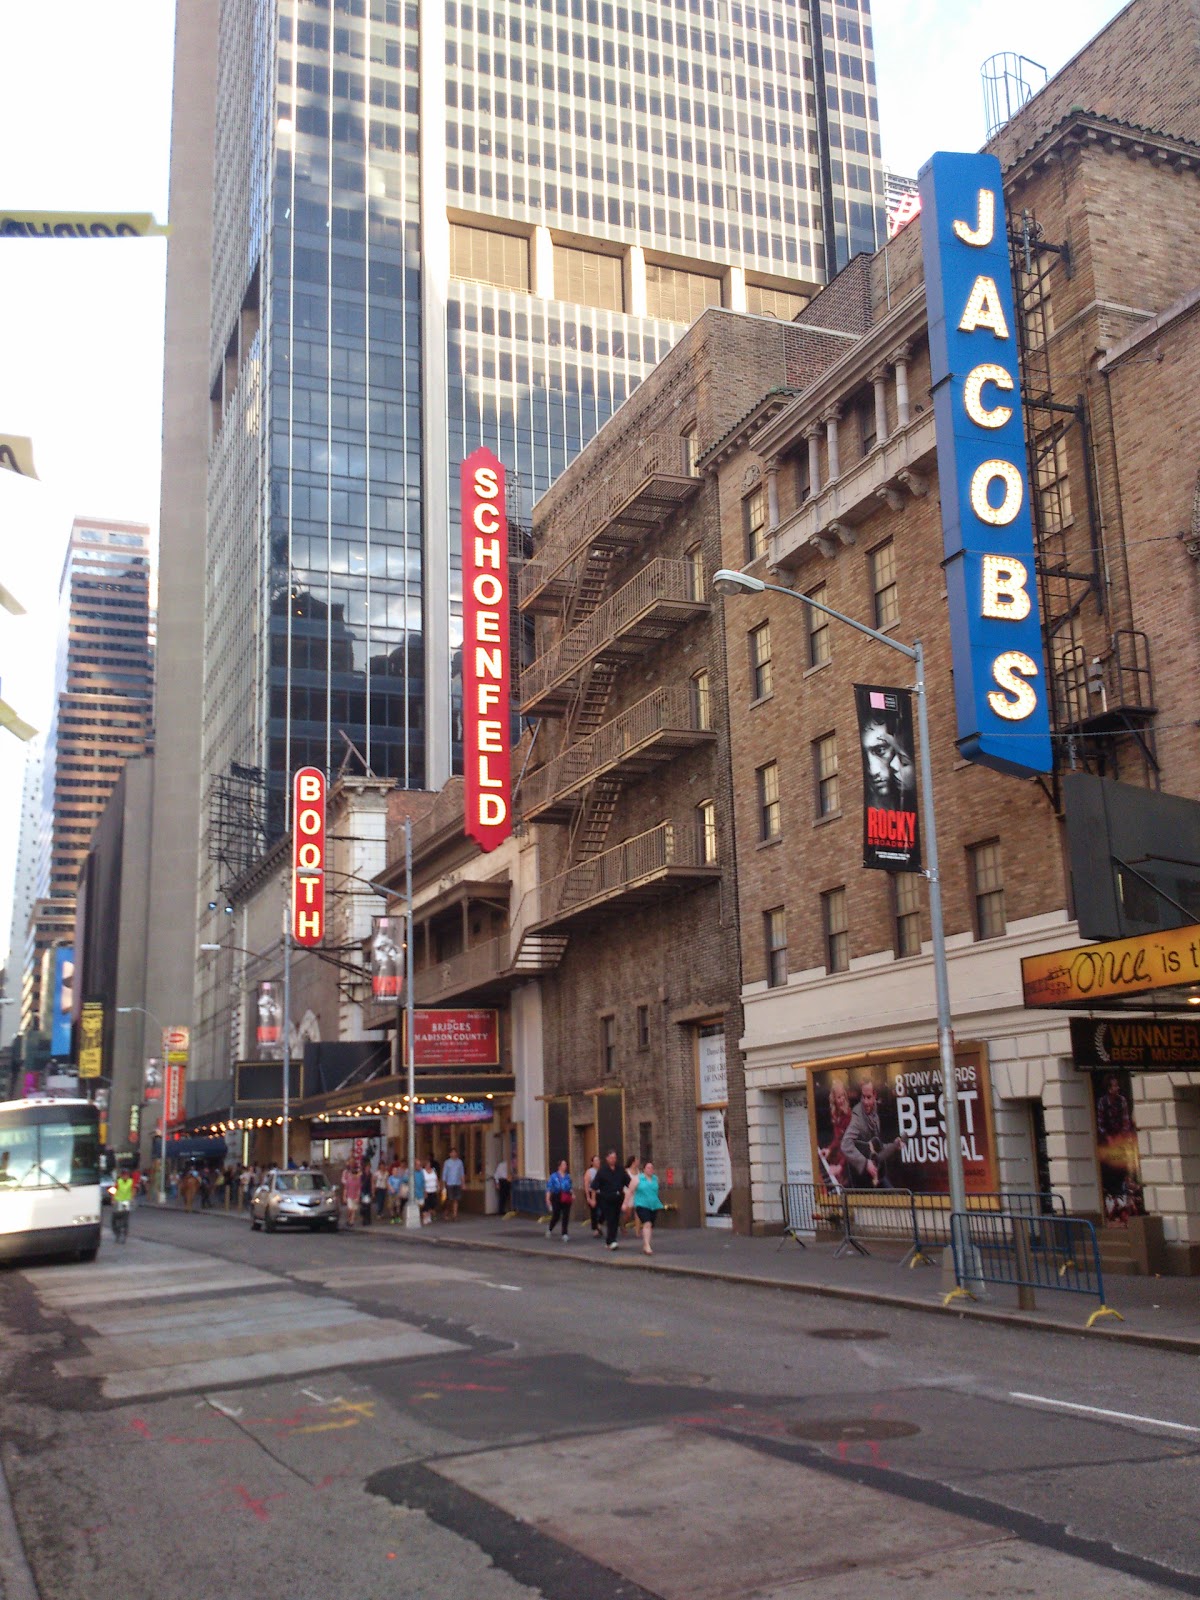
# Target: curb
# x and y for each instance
(1177, 1344)
(16, 1578)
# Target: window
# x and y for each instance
(768, 801)
(775, 942)
(1053, 482)
(695, 572)
(706, 832)
(819, 646)
(587, 278)
(837, 934)
(483, 256)
(678, 296)
(987, 887)
(803, 478)
(608, 1044)
(762, 681)
(643, 1027)
(883, 584)
(762, 302)
(825, 774)
(691, 449)
(866, 423)
(906, 912)
(701, 700)
(754, 520)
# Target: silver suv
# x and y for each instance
(302, 1199)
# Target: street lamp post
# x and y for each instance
(162, 1104)
(730, 582)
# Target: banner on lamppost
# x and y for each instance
(176, 1045)
(268, 1031)
(80, 225)
(891, 829)
(486, 668)
(91, 1040)
(387, 957)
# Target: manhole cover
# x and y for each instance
(852, 1430)
(847, 1333)
(672, 1380)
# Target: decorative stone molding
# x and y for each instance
(914, 482)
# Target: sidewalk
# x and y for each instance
(1162, 1313)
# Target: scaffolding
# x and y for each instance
(238, 831)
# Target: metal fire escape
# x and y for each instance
(1101, 699)
(602, 625)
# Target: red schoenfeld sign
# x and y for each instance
(308, 856)
(176, 1075)
(487, 775)
(456, 1038)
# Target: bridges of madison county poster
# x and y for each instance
(878, 1124)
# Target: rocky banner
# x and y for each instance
(891, 829)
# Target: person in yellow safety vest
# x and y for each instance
(124, 1190)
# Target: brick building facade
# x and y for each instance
(836, 960)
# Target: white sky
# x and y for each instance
(85, 123)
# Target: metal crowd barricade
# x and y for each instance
(885, 1216)
(528, 1197)
(1027, 1253)
(931, 1215)
(811, 1210)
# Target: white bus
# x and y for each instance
(49, 1179)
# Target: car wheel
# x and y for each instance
(88, 1255)
(255, 1224)
(332, 1225)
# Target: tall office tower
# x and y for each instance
(24, 889)
(437, 225)
(100, 717)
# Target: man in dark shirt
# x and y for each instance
(609, 1185)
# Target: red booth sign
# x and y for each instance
(308, 856)
(486, 669)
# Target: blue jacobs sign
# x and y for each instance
(1000, 684)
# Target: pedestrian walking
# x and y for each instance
(647, 1204)
(381, 1189)
(589, 1193)
(364, 1198)
(610, 1184)
(351, 1191)
(454, 1176)
(559, 1195)
(503, 1186)
(189, 1188)
(432, 1181)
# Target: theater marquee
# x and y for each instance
(487, 697)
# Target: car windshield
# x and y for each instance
(300, 1182)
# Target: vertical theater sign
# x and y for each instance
(996, 638)
(308, 856)
(486, 667)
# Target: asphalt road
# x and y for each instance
(209, 1411)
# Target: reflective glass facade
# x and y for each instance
(612, 161)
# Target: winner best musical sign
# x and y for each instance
(487, 697)
(995, 633)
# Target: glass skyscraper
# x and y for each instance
(438, 225)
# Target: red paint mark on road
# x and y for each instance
(256, 1507)
(141, 1427)
(872, 1446)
